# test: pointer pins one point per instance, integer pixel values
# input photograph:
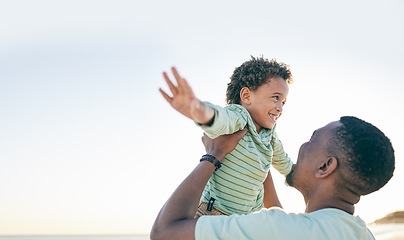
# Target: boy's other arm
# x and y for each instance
(280, 160)
(184, 100)
(176, 217)
(270, 197)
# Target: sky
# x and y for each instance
(89, 146)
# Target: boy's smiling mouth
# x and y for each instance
(273, 116)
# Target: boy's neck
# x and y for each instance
(257, 127)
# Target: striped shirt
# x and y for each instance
(238, 185)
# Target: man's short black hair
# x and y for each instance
(252, 74)
(365, 153)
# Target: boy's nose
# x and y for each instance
(279, 107)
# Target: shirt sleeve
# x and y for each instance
(280, 160)
(225, 122)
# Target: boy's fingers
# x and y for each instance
(165, 95)
(187, 88)
(178, 78)
(175, 73)
(172, 87)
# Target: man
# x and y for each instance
(342, 161)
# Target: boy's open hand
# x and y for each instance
(184, 100)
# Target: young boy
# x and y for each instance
(255, 95)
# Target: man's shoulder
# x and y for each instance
(327, 222)
(275, 222)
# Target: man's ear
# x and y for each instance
(327, 167)
(245, 95)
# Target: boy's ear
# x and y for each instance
(327, 167)
(245, 95)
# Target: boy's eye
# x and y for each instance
(276, 98)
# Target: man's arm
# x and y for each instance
(176, 218)
(184, 100)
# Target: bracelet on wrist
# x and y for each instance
(212, 159)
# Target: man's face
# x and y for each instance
(311, 155)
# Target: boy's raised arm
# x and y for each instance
(184, 100)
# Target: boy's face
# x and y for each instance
(265, 104)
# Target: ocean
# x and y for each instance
(77, 237)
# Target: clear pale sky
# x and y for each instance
(88, 145)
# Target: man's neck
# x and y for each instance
(343, 200)
(312, 206)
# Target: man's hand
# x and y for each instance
(222, 145)
(184, 100)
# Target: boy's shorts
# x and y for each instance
(203, 210)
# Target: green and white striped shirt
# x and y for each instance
(238, 185)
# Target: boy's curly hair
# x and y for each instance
(252, 74)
